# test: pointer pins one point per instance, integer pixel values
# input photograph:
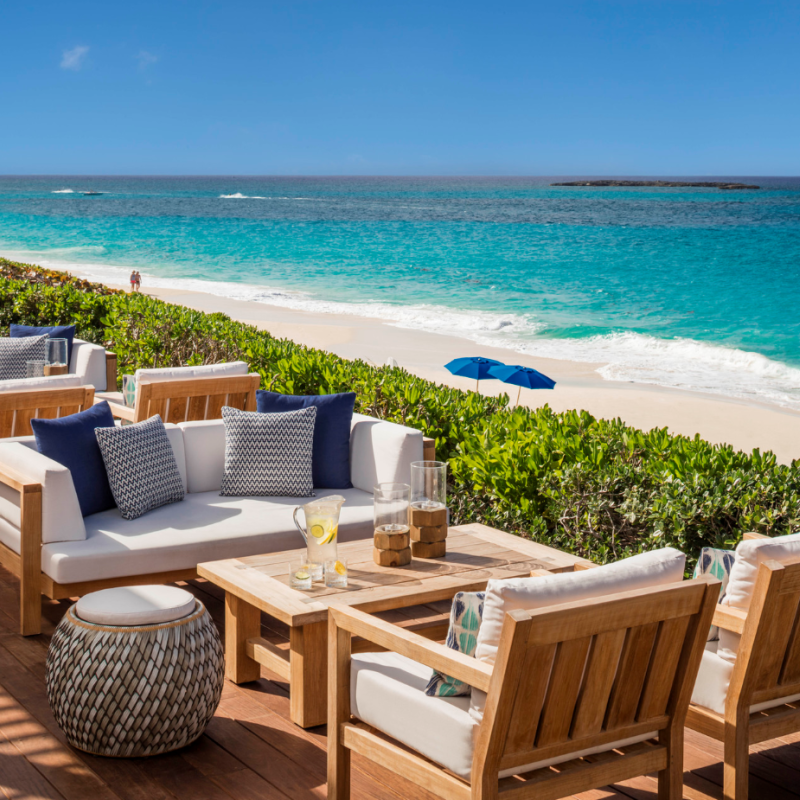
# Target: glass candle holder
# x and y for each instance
(129, 390)
(390, 502)
(56, 352)
(428, 485)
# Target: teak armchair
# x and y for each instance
(191, 399)
(566, 678)
(767, 668)
(18, 408)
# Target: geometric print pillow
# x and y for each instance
(718, 563)
(141, 466)
(15, 352)
(466, 615)
(268, 455)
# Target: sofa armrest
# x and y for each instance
(111, 371)
(382, 452)
(89, 363)
(118, 410)
(412, 645)
(729, 619)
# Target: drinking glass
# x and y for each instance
(57, 352)
(336, 573)
(428, 485)
(34, 369)
(300, 574)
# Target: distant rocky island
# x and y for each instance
(667, 184)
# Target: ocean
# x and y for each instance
(690, 288)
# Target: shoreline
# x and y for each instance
(744, 424)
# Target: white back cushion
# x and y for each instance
(88, 362)
(61, 514)
(637, 572)
(54, 382)
(181, 373)
(204, 443)
(175, 436)
(749, 554)
(381, 452)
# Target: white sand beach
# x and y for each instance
(718, 419)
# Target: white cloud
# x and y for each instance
(75, 58)
(145, 59)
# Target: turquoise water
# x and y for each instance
(696, 288)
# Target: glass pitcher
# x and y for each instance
(321, 530)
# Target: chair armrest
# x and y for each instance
(406, 643)
(731, 619)
(119, 411)
(14, 480)
(754, 535)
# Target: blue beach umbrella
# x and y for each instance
(522, 377)
(474, 367)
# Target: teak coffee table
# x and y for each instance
(475, 553)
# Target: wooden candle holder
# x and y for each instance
(391, 549)
(55, 369)
(428, 531)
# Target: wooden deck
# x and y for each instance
(251, 751)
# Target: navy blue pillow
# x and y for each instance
(330, 459)
(71, 441)
(53, 331)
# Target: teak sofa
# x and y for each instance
(580, 695)
(56, 552)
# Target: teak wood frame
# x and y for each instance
(767, 668)
(189, 399)
(17, 409)
(655, 637)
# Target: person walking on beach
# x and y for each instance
(138, 281)
(133, 280)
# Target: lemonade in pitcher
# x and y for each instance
(321, 530)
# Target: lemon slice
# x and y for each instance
(330, 536)
(340, 568)
(301, 576)
(317, 531)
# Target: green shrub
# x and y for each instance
(599, 488)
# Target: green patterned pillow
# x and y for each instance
(718, 563)
(466, 615)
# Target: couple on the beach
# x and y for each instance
(136, 281)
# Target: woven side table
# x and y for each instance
(134, 689)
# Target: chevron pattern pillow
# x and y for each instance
(15, 352)
(466, 615)
(141, 466)
(268, 454)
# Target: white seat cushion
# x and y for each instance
(135, 605)
(203, 527)
(50, 382)
(713, 679)
(387, 691)
(750, 553)
(160, 374)
(637, 572)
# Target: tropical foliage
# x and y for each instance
(596, 487)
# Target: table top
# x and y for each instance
(475, 554)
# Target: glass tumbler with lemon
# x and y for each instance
(321, 531)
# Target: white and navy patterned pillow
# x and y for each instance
(718, 563)
(466, 615)
(268, 454)
(141, 466)
(15, 352)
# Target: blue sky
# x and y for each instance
(439, 88)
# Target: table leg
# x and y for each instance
(308, 664)
(242, 622)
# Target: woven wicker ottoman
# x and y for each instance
(135, 671)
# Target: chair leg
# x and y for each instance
(338, 711)
(670, 779)
(30, 603)
(737, 762)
